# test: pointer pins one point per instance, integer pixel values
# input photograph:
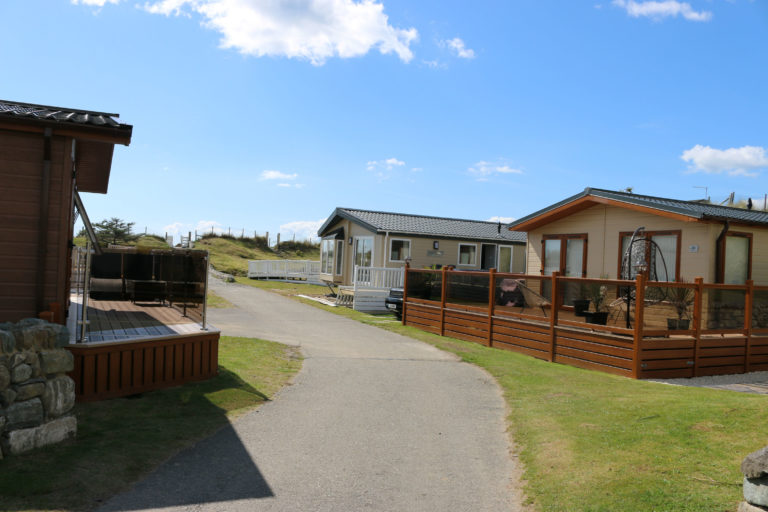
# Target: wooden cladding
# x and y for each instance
(635, 352)
(113, 370)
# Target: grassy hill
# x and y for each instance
(231, 255)
(147, 241)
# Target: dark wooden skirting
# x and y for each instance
(120, 369)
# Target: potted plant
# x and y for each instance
(596, 293)
(580, 306)
(681, 299)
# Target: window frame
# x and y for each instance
(458, 255)
(390, 249)
(722, 243)
(325, 265)
(373, 249)
(563, 249)
(651, 233)
(338, 267)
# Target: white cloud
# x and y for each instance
(277, 175)
(482, 170)
(434, 64)
(208, 226)
(202, 227)
(383, 168)
(458, 47)
(658, 10)
(303, 229)
(417, 169)
(503, 220)
(734, 161)
(291, 185)
(96, 3)
(314, 30)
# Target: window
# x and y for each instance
(566, 254)
(399, 250)
(339, 257)
(364, 251)
(468, 254)
(662, 257)
(737, 258)
(326, 256)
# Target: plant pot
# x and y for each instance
(683, 324)
(580, 306)
(596, 317)
(672, 324)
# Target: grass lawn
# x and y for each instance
(591, 441)
(231, 255)
(122, 439)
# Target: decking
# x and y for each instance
(728, 331)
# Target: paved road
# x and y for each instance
(374, 421)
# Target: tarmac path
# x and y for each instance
(374, 421)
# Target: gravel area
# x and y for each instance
(755, 382)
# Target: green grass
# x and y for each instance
(143, 241)
(121, 440)
(217, 301)
(591, 441)
(231, 255)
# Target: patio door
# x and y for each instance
(566, 254)
(364, 251)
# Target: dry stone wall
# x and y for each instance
(36, 395)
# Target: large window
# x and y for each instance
(364, 251)
(326, 256)
(659, 253)
(468, 254)
(566, 254)
(399, 250)
(737, 258)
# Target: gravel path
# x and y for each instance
(374, 421)
(755, 382)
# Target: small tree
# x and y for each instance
(114, 231)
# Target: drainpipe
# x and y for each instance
(719, 246)
(42, 225)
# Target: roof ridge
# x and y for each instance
(423, 216)
(686, 201)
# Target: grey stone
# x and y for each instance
(7, 342)
(748, 507)
(24, 414)
(7, 397)
(59, 396)
(21, 373)
(36, 337)
(2, 421)
(755, 464)
(5, 377)
(17, 359)
(29, 390)
(60, 335)
(26, 322)
(756, 491)
(27, 439)
(57, 361)
(29, 357)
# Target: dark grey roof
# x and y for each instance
(31, 111)
(420, 225)
(694, 209)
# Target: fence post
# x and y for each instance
(553, 316)
(405, 290)
(354, 286)
(491, 303)
(638, 334)
(443, 289)
(698, 316)
(748, 301)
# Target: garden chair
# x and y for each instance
(532, 299)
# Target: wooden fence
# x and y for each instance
(111, 370)
(727, 331)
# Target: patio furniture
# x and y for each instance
(531, 298)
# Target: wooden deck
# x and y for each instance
(112, 321)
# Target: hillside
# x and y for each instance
(231, 255)
(144, 241)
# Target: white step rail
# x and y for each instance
(371, 287)
(285, 269)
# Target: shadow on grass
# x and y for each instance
(121, 440)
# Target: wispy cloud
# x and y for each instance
(483, 170)
(741, 161)
(201, 227)
(313, 30)
(503, 220)
(383, 169)
(303, 229)
(658, 10)
(459, 49)
(291, 185)
(277, 175)
(95, 3)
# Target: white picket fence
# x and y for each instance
(371, 286)
(305, 270)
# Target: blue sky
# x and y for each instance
(264, 115)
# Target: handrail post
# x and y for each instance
(748, 301)
(638, 333)
(553, 316)
(491, 303)
(443, 288)
(698, 317)
(405, 290)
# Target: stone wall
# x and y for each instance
(36, 395)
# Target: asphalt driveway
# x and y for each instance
(374, 421)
